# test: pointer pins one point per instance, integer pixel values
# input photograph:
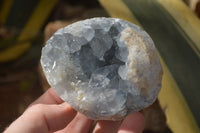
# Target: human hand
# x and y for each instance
(51, 114)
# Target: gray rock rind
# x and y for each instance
(104, 68)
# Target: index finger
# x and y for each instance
(49, 97)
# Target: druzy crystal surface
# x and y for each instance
(104, 68)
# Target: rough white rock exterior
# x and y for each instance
(104, 68)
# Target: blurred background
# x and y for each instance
(25, 25)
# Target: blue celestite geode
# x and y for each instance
(104, 68)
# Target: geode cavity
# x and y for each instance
(104, 68)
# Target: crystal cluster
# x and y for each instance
(104, 68)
